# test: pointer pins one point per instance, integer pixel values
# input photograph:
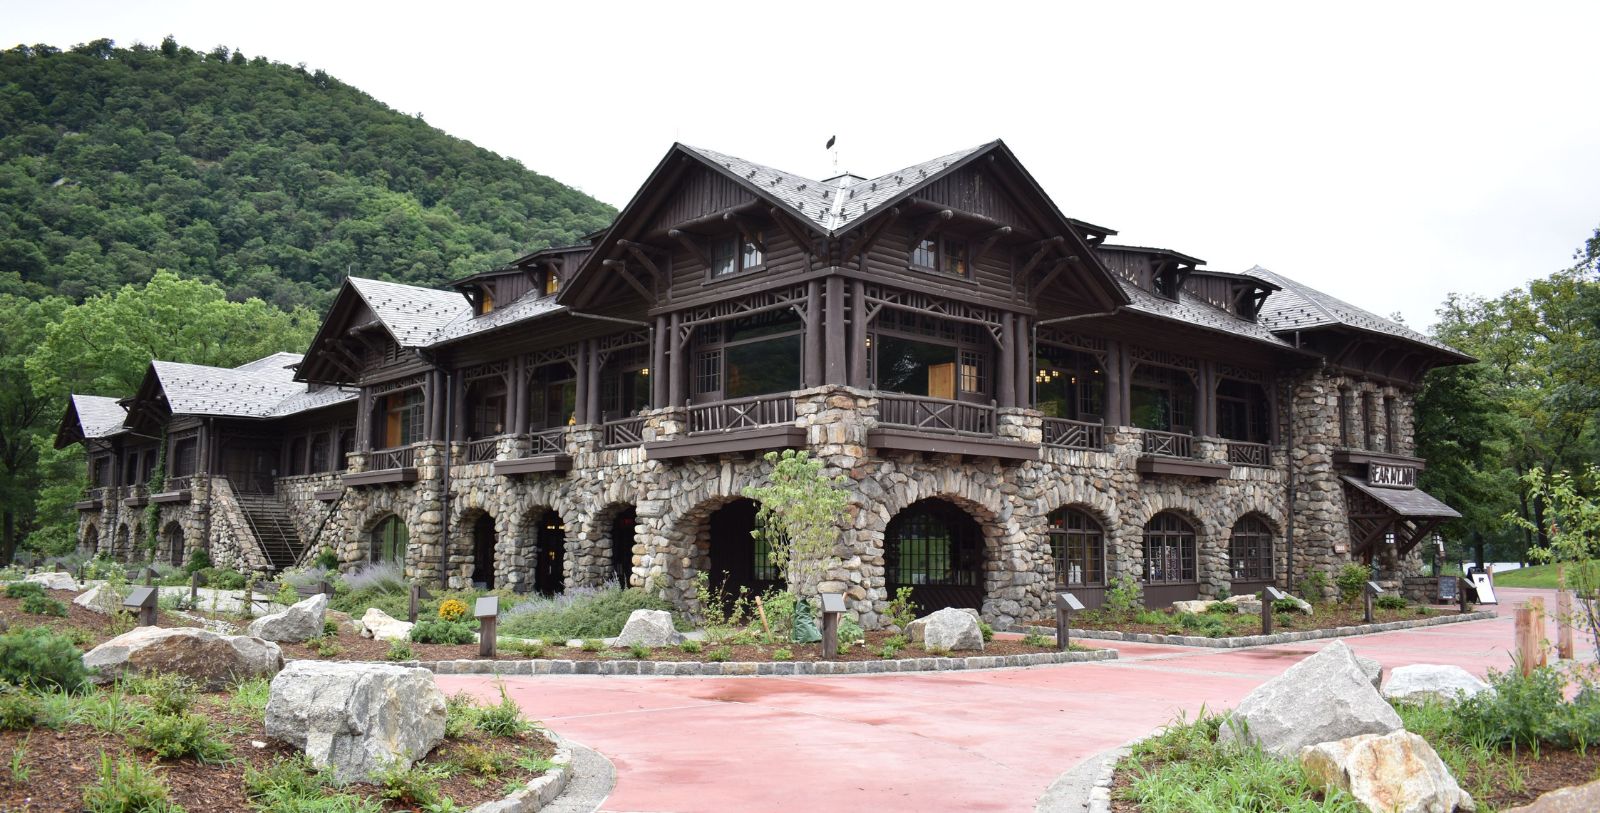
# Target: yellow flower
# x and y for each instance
(452, 610)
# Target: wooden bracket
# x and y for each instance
(621, 267)
(988, 243)
(805, 243)
(1038, 255)
(687, 241)
(751, 235)
(870, 237)
(929, 225)
(638, 250)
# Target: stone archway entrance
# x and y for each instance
(936, 549)
(549, 551)
(623, 526)
(173, 537)
(738, 559)
(122, 545)
(483, 544)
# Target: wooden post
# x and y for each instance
(194, 589)
(414, 600)
(487, 609)
(1525, 644)
(1541, 636)
(658, 364)
(834, 332)
(858, 335)
(811, 356)
(580, 404)
(1564, 620)
(1024, 362)
(1266, 612)
(676, 368)
(1008, 361)
(249, 607)
(1366, 603)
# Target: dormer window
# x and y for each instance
(946, 254)
(485, 301)
(552, 283)
(731, 255)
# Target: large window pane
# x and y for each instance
(761, 368)
(915, 368)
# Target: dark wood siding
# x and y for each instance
(974, 190)
(700, 193)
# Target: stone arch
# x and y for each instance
(543, 550)
(475, 551)
(670, 531)
(122, 542)
(172, 548)
(1249, 565)
(1079, 541)
(613, 537)
(89, 540)
(937, 547)
(1172, 566)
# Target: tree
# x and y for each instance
(24, 416)
(1572, 511)
(798, 518)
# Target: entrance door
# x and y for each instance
(738, 559)
(936, 549)
(622, 529)
(483, 540)
(550, 544)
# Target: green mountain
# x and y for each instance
(272, 180)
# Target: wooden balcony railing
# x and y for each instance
(404, 457)
(741, 413)
(1068, 434)
(183, 483)
(936, 415)
(481, 450)
(548, 441)
(623, 432)
(1166, 444)
(1241, 453)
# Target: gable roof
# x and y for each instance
(264, 388)
(89, 417)
(413, 315)
(1296, 306)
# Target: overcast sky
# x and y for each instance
(1386, 153)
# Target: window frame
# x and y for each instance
(709, 372)
(379, 542)
(1257, 564)
(1170, 531)
(942, 242)
(740, 257)
(1070, 528)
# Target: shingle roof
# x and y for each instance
(525, 307)
(829, 206)
(1198, 312)
(98, 416)
(1301, 307)
(1407, 502)
(264, 388)
(412, 314)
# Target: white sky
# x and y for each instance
(1387, 153)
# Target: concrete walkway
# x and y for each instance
(975, 741)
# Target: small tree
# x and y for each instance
(799, 515)
(1572, 514)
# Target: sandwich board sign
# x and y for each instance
(1485, 588)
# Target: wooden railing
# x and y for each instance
(1166, 444)
(1069, 434)
(404, 457)
(183, 483)
(548, 441)
(623, 432)
(481, 450)
(1241, 453)
(741, 413)
(936, 415)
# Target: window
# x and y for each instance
(752, 355)
(1070, 384)
(347, 445)
(184, 457)
(1169, 550)
(389, 540)
(130, 469)
(100, 472)
(319, 453)
(731, 255)
(1242, 412)
(1250, 550)
(486, 408)
(1162, 399)
(1369, 423)
(625, 384)
(552, 397)
(1077, 545)
(1391, 422)
(955, 364)
(401, 414)
(1344, 417)
(297, 456)
(552, 283)
(933, 543)
(485, 300)
(972, 373)
(943, 253)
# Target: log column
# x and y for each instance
(858, 335)
(1116, 383)
(1008, 361)
(813, 341)
(658, 363)
(580, 404)
(1208, 398)
(518, 397)
(835, 338)
(593, 363)
(677, 369)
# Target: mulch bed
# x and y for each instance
(96, 627)
(353, 647)
(1326, 616)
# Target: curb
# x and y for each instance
(546, 666)
(1086, 788)
(542, 791)
(1264, 640)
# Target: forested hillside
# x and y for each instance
(272, 180)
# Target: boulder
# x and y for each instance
(1196, 606)
(1398, 772)
(356, 718)
(213, 661)
(301, 622)
(377, 624)
(53, 581)
(1576, 799)
(1300, 605)
(650, 628)
(101, 599)
(1323, 698)
(1372, 669)
(950, 629)
(1247, 604)
(1423, 681)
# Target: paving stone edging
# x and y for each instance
(546, 666)
(539, 792)
(1264, 640)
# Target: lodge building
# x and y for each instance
(1016, 401)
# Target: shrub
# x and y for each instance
(199, 560)
(294, 786)
(1153, 617)
(782, 653)
(888, 652)
(24, 590)
(1285, 605)
(460, 714)
(1391, 601)
(44, 605)
(37, 657)
(593, 645)
(1124, 595)
(1223, 608)
(1205, 624)
(1528, 711)
(330, 628)
(328, 647)
(1351, 579)
(689, 646)
(327, 560)
(19, 710)
(902, 610)
(287, 595)
(986, 631)
(416, 785)
(124, 786)
(179, 736)
(639, 652)
(1314, 586)
(400, 651)
(452, 610)
(528, 649)
(503, 719)
(224, 579)
(584, 612)
(168, 693)
(851, 633)
(719, 654)
(477, 760)
(440, 631)
(1036, 639)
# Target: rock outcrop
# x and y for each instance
(1398, 772)
(1323, 698)
(212, 661)
(356, 719)
(301, 622)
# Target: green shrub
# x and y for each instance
(44, 605)
(1124, 595)
(400, 651)
(1036, 639)
(1351, 579)
(887, 652)
(477, 760)
(417, 785)
(902, 610)
(1529, 711)
(719, 654)
(1285, 605)
(1223, 608)
(1314, 587)
(328, 647)
(850, 633)
(639, 652)
(986, 631)
(1152, 617)
(250, 697)
(179, 736)
(223, 579)
(1206, 624)
(36, 657)
(327, 560)
(169, 694)
(199, 559)
(503, 719)
(19, 710)
(782, 653)
(294, 786)
(124, 786)
(579, 613)
(593, 645)
(1391, 601)
(689, 647)
(111, 712)
(460, 714)
(24, 590)
(440, 631)
(528, 649)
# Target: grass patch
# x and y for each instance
(578, 613)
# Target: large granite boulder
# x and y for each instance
(213, 661)
(1576, 799)
(1372, 669)
(101, 599)
(949, 629)
(301, 622)
(1199, 605)
(1398, 772)
(356, 718)
(1424, 681)
(650, 628)
(377, 624)
(1247, 604)
(53, 581)
(1322, 698)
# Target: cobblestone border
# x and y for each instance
(542, 791)
(1264, 640)
(546, 666)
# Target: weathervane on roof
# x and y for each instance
(829, 146)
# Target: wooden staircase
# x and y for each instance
(275, 532)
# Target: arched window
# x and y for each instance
(174, 543)
(1250, 550)
(936, 549)
(1078, 546)
(1169, 550)
(389, 540)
